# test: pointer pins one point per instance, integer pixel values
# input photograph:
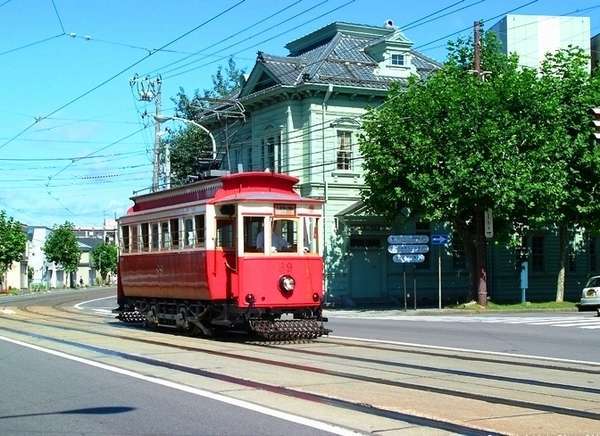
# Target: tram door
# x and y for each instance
(226, 244)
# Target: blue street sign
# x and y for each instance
(408, 239)
(408, 249)
(408, 258)
(439, 239)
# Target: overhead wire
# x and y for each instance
(265, 40)
(104, 82)
(233, 35)
(58, 16)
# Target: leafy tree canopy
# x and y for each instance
(190, 146)
(105, 258)
(451, 146)
(61, 247)
(12, 242)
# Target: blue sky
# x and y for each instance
(110, 35)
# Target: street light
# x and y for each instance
(164, 118)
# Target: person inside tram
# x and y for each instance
(278, 243)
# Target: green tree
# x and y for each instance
(567, 83)
(61, 248)
(104, 259)
(12, 243)
(450, 147)
(190, 147)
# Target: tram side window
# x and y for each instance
(145, 237)
(285, 235)
(175, 233)
(188, 233)
(225, 233)
(253, 227)
(311, 235)
(199, 221)
(125, 239)
(164, 236)
(135, 243)
(154, 236)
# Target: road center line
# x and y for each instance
(467, 350)
(195, 391)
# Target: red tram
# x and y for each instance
(198, 257)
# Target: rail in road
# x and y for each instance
(353, 384)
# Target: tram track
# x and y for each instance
(363, 345)
(381, 381)
(81, 322)
(281, 390)
(312, 352)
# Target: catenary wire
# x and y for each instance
(114, 76)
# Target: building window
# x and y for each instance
(424, 229)
(344, 153)
(249, 159)
(537, 254)
(398, 59)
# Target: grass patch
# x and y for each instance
(517, 307)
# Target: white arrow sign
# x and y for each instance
(408, 258)
(408, 239)
(408, 249)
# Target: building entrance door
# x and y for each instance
(366, 271)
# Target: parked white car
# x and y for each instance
(590, 296)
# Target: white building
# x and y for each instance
(532, 36)
(44, 273)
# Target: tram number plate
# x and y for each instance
(285, 268)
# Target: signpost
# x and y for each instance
(440, 240)
(408, 249)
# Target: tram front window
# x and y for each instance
(284, 236)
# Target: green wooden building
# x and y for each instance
(303, 116)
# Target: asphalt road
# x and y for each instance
(556, 337)
(44, 394)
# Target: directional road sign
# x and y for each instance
(408, 258)
(408, 239)
(408, 249)
(439, 239)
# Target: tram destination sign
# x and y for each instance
(408, 249)
(408, 239)
(408, 258)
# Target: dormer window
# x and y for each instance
(398, 59)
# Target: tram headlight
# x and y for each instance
(287, 284)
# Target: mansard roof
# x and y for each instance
(338, 54)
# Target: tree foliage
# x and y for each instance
(104, 259)
(567, 83)
(61, 247)
(454, 145)
(190, 146)
(12, 242)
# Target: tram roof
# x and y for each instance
(249, 186)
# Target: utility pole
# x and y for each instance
(480, 252)
(149, 89)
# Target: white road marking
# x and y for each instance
(467, 350)
(7, 310)
(78, 305)
(577, 321)
(195, 391)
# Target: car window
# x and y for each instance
(594, 282)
